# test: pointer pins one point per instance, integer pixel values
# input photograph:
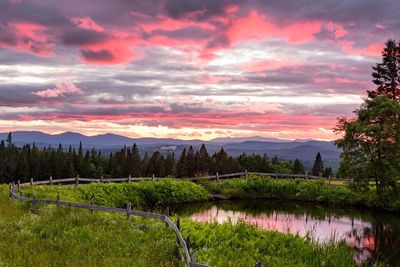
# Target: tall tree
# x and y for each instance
(318, 167)
(371, 143)
(181, 170)
(204, 160)
(386, 75)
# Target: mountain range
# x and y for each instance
(305, 150)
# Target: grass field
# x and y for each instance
(70, 237)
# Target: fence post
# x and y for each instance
(178, 225)
(188, 243)
(128, 211)
(217, 175)
(245, 173)
(91, 206)
(166, 213)
(276, 173)
(10, 190)
(153, 177)
(193, 256)
(19, 184)
(101, 179)
(51, 180)
(31, 181)
(258, 263)
(58, 201)
(329, 179)
(320, 175)
(129, 178)
(306, 175)
(77, 180)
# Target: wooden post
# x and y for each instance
(178, 225)
(320, 175)
(153, 177)
(31, 181)
(58, 201)
(129, 178)
(276, 173)
(245, 173)
(33, 202)
(128, 211)
(77, 180)
(90, 206)
(306, 175)
(188, 243)
(166, 213)
(193, 256)
(101, 179)
(19, 184)
(10, 190)
(329, 178)
(217, 175)
(258, 263)
(51, 180)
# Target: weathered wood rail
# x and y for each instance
(212, 178)
(189, 254)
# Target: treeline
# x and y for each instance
(30, 161)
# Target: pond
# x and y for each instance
(372, 235)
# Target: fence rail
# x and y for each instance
(188, 253)
(212, 178)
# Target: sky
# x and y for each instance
(189, 69)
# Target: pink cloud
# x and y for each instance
(60, 90)
(256, 26)
(28, 38)
(87, 24)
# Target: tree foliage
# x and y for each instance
(30, 161)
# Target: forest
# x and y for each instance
(40, 163)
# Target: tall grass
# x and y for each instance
(240, 244)
(302, 190)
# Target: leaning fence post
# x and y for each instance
(193, 256)
(128, 211)
(166, 213)
(51, 180)
(258, 263)
(31, 181)
(188, 243)
(91, 205)
(178, 225)
(58, 201)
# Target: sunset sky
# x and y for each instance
(188, 69)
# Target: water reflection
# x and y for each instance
(373, 235)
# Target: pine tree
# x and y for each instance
(204, 160)
(328, 172)
(181, 171)
(318, 167)
(190, 163)
(386, 75)
(170, 164)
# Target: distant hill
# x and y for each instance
(305, 150)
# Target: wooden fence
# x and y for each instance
(212, 178)
(189, 254)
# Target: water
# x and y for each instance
(372, 235)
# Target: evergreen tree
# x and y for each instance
(328, 172)
(318, 167)
(170, 164)
(204, 160)
(386, 75)
(181, 170)
(191, 163)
